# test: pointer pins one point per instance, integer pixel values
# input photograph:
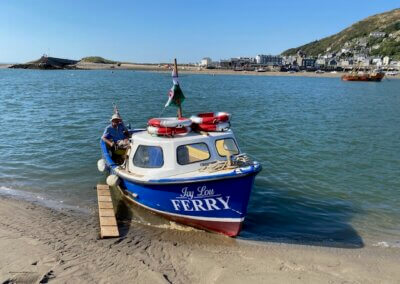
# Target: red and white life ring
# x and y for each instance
(219, 127)
(172, 122)
(168, 131)
(211, 117)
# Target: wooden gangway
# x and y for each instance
(108, 222)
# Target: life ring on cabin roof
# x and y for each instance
(211, 117)
(168, 131)
(219, 127)
(173, 122)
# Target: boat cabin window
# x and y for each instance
(192, 153)
(148, 157)
(226, 147)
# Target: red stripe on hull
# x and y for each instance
(230, 229)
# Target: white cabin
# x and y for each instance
(155, 157)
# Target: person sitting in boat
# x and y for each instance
(116, 137)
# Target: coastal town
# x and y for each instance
(358, 54)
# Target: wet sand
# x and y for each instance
(62, 246)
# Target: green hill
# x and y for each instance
(97, 59)
(357, 37)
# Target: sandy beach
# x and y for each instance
(4, 66)
(197, 70)
(62, 246)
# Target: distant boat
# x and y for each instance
(392, 73)
(261, 69)
(238, 69)
(365, 77)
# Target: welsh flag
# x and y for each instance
(175, 95)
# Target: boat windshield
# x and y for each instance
(192, 153)
(148, 157)
(226, 147)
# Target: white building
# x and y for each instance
(377, 61)
(346, 63)
(206, 61)
(249, 60)
(359, 57)
(321, 62)
(377, 34)
(386, 60)
(328, 56)
(395, 64)
(288, 60)
(269, 59)
(365, 62)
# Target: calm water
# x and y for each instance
(330, 149)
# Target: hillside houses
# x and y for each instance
(377, 34)
(363, 52)
(340, 61)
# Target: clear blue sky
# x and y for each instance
(158, 31)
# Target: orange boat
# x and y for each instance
(366, 77)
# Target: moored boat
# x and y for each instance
(197, 176)
(366, 77)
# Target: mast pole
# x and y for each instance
(176, 72)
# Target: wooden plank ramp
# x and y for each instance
(108, 222)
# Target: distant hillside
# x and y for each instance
(357, 37)
(97, 59)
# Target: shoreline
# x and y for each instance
(195, 70)
(63, 246)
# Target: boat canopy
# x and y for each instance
(155, 157)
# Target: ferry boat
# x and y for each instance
(188, 170)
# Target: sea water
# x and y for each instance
(330, 150)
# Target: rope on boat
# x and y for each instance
(238, 161)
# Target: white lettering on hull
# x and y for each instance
(206, 204)
(201, 199)
(198, 205)
(176, 204)
(223, 202)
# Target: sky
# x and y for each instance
(158, 31)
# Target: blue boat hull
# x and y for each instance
(218, 205)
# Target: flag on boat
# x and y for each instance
(175, 95)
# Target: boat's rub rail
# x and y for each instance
(125, 172)
(236, 173)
